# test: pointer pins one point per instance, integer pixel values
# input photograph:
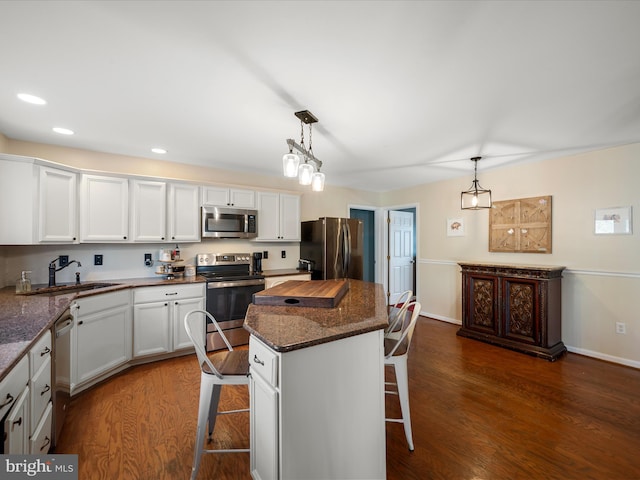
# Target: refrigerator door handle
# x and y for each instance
(347, 249)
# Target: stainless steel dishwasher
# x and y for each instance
(61, 371)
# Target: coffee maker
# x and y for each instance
(256, 264)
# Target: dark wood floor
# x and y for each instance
(478, 411)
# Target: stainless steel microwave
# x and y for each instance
(223, 222)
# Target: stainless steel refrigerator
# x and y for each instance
(334, 246)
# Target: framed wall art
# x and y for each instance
(613, 221)
(455, 227)
(522, 225)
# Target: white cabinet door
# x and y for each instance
(18, 202)
(184, 213)
(16, 426)
(151, 329)
(289, 217)
(57, 206)
(104, 209)
(228, 197)
(264, 429)
(242, 198)
(278, 217)
(149, 210)
(101, 337)
(268, 216)
(180, 308)
(40, 441)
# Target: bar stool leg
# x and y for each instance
(402, 381)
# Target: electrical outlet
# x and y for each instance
(64, 260)
(97, 259)
(265, 254)
(147, 260)
(621, 328)
(283, 254)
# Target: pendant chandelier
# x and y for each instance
(476, 197)
(304, 170)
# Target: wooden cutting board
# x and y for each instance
(301, 293)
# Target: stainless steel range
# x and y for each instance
(230, 289)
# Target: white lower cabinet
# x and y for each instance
(17, 426)
(101, 337)
(318, 412)
(158, 316)
(40, 441)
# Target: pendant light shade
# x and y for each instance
(476, 197)
(290, 162)
(317, 182)
(305, 173)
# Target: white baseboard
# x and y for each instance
(604, 356)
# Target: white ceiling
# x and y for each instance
(405, 92)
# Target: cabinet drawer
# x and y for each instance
(263, 361)
(103, 301)
(13, 385)
(40, 392)
(40, 352)
(41, 439)
(169, 292)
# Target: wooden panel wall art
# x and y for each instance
(522, 225)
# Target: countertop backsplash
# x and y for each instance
(126, 260)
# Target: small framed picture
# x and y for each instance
(455, 227)
(613, 221)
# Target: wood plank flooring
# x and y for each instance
(478, 412)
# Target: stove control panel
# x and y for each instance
(211, 259)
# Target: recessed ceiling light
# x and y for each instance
(26, 97)
(159, 150)
(63, 131)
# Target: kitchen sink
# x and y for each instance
(70, 288)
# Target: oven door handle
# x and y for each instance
(235, 283)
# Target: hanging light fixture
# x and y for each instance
(291, 164)
(476, 197)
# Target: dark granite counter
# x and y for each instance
(25, 318)
(363, 309)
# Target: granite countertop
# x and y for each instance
(284, 272)
(25, 318)
(363, 309)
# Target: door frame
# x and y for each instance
(382, 241)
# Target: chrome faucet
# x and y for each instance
(53, 270)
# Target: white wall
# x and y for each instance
(600, 285)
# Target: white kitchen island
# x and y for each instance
(317, 388)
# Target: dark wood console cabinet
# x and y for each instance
(516, 307)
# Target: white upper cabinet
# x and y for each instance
(184, 212)
(57, 213)
(164, 212)
(149, 211)
(228, 197)
(38, 204)
(278, 217)
(104, 209)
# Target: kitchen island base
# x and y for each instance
(318, 412)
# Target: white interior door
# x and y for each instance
(400, 254)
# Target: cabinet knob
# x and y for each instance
(9, 400)
(124, 237)
(18, 422)
(80, 322)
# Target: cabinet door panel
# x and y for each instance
(264, 428)
(180, 308)
(151, 329)
(104, 209)
(481, 304)
(101, 342)
(57, 207)
(521, 310)
(289, 217)
(184, 213)
(16, 426)
(149, 211)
